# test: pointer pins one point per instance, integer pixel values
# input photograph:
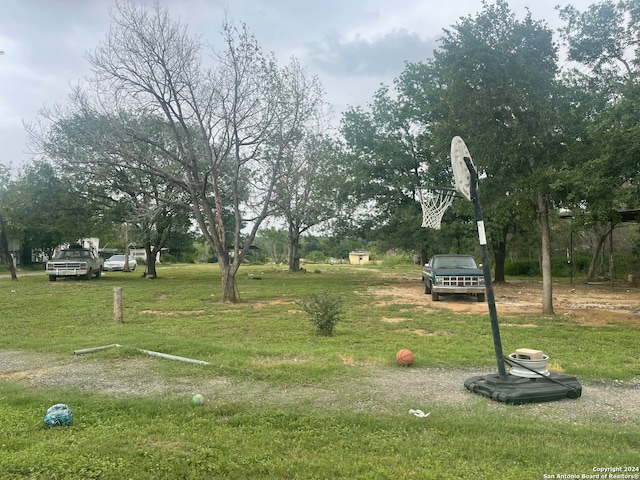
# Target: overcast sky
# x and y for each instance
(353, 46)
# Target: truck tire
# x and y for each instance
(99, 273)
(427, 287)
(88, 275)
(481, 297)
(52, 278)
(434, 296)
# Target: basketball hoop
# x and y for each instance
(434, 202)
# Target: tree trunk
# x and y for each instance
(545, 238)
(294, 249)
(591, 274)
(602, 237)
(27, 255)
(229, 290)
(5, 249)
(423, 256)
(150, 267)
(499, 253)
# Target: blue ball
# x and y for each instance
(58, 415)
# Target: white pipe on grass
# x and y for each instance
(148, 352)
(173, 357)
(95, 349)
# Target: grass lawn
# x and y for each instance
(266, 342)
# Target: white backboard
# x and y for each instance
(460, 171)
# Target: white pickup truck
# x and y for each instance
(75, 261)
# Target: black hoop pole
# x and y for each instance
(486, 269)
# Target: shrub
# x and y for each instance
(324, 310)
(141, 261)
(522, 268)
(168, 258)
(396, 260)
(315, 257)
(560, 267)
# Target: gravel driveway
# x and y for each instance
(378, 389)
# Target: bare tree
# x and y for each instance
(307, 195)
(229, 123)
(304, 195)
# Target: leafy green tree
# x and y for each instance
(42, 210)
(182, 243)
(49, 211)
(496, 80)
(306, 194)
(387, 154)
(324, 247)
(274, 242)
(94, 157)
(605, 39)
(157, 223)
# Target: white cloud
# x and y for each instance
(383, 55)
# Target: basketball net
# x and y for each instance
(434, 203)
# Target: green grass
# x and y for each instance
(180, 313)
(151, 438)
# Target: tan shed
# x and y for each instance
(358, 257)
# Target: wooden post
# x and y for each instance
(117, 304)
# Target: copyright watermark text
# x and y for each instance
(623, 472)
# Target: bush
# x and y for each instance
(168, 258)
(560, 267)
(522, 268)
(141, 261)
(315, 257)
(324, 310)
(396, 260)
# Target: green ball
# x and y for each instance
(197, 400)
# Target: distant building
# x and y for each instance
(359, 257)
(138, 251)
(92, 243)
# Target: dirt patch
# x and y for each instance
(581, 303)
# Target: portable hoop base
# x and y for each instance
(518, 390)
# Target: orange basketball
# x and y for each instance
(404, 357)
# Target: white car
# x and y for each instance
(116, 263)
